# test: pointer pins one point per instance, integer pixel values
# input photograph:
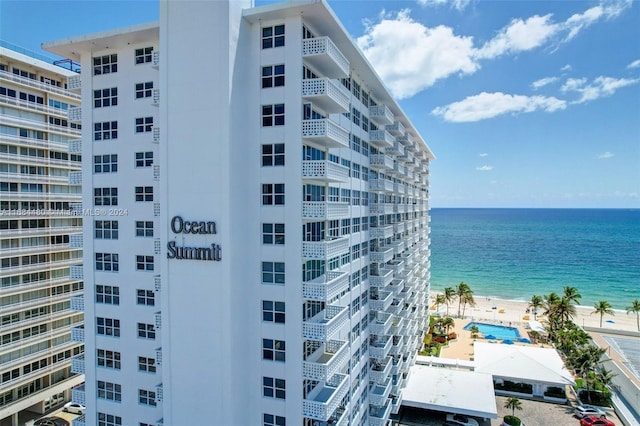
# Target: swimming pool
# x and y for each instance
(498, 331)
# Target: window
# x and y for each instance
(273, 420)
(144, 263)
(273, 233)
(144, 228)
(346, 227)
(273, 350)
(107, 262)
(105, 130)
(355, 116)
(106, 229)
(106, 64)
(272, 194)
(144, 159)
(273, 154)
(273, 115)
(146, 331)
(355, 224)
(273, 311)
(272, 76)
(144, 193)
(146, 397)
(105, 196)
(365, 123)
(107, 163)
(355, 251)
(273, 37)
(108, 359)
(107, 294)
(110, 391)
(146, 364)
(105, 419)
(273, 388)
(108, 326)
(144, 90)
(144, 124)
(105, 97)
(355, 306)
(273, 272)
(145, 297)
(142, 56)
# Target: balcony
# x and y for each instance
(81, 420)
(396, 307)
(396, 286)
(380, 162)
(379, 347)
(396, 402)
(380, 301)
(397, 265)
(325, 132)
(326, 360)
(76, 272)
(398, 246)
(77, 303)
(155, 59)
(323, 171)
(156, 135)
(325, 249)
(381, 138)
(326, 287)
(396, 325)
(383, 279)
(380, 370)
(77, 364)
(396, 129)
(381, 254)
(77, 334)
(327, 94)
(324, 324)
(24, 81)
(74, 114)
(380, 323)
(324, 210)
(78, 395)
(383, 232)
(378, 416)
(395, 149)
(380, 114)
(325, 57)
(378, 393)
(74, 82)
(325, 398)
(75, 178)
(156, 97)
(381, 208)
(380, 185)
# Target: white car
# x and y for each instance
(461, 420)
(73, 407)
(589, 410)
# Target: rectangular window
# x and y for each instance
(144, 193)
(355, 116)
(146, 331)
(144, 228)
(105, 130)
(346, 227)
(273, 272)
(273, 154)
(355, 170)
(365, 123)
(273, 388)
(273, 115)
(144, 159)
(107, 163)
(273, 311)
(273, 36)
(146, 364)
(355, 252)
(105, 97)
(273, 420)
(107, 262)
(105, 419)
(272, 76)
(345, 195)
(110, 391)
(146, 397)
(108, 359)
(107, 294)
(144, 90)
(105, 196)
(144, 263)
(145, 297)
(144, 124)
(272, 194)
(273, 233)
(106, 64)
(106, 229)
(273, 350)
(355, 224)
(143, 56)
(108, 326)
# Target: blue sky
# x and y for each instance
(524, 103)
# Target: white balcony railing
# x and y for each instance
(381, 138)
(380, 161)
(325, 56)
(327, 94)
(383, 279)
(381, 114)
(326, 361)
(77, 364)
(326, 249)
(325, 398)
(324, 170)
(396, 129)
(324, 210)
(378, 416)
(381, 301)
(326, 287)
(326, 132)
(324, 324)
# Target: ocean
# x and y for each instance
(516, 253)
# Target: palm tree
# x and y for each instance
(635, 308)
(461, 290)
(440, 300)
(605, 376)
(572, 294)
(550, 301)
(447, 323)
(474, 331)
(603, 307)
(513, 403)
(467, 298)
(535, 303)
(449, 296)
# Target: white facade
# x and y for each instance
(290, 220)
(40, 237)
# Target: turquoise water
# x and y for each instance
(515, 253)
(498, 331)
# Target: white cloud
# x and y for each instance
(455, 4)
(634, 64)
(483, 154)
(566, 68)
(484, 168)
(598, 88)
(543, 82)
(605, 155)
(489, 105)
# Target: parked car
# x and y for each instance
(589, 410)
(73, 407)
(459, 419)
(595, 421)
(51, 421)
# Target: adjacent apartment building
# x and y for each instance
(40, 236)
(259, 246)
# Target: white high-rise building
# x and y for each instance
(40, 236)
(272, 260)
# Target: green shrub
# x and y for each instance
(512, 420)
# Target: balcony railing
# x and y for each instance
(383, 279)
(381, 114)
(327, 210)
(381, 138)
(380, 301)
(325, 398)
(324, 324)
(81, 420)
(381, 208)
(326, 360)
(74, 114)
(380, 162)
(77, 334)
(379, 347)
(326, 132)
(77, 303)
(77, 364)
(395, 149)
(380, 370)
(384, 232)
(378, 416)
(324, 171)
(379, 392)
(78, 395)
(326, 287)
(326, 249)
(5, 75)
(327, 94)
(380, 323)
(381, 254)
(323, 54)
